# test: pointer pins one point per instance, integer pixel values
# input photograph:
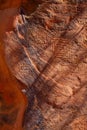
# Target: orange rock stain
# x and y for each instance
(12, 101)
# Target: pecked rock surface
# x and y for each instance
(47, 51)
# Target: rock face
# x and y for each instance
(12, 100)
(47, 51)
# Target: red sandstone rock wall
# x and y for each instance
(48, 53)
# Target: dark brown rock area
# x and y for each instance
(47, 51)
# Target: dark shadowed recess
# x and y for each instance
(29, 6)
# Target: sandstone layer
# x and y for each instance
(47, 51)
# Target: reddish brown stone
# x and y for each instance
(47, 51)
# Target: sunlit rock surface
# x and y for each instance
(47, 51)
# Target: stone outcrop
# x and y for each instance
(47, 51)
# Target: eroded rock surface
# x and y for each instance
(47, 51)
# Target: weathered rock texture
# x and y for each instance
(48, 52)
